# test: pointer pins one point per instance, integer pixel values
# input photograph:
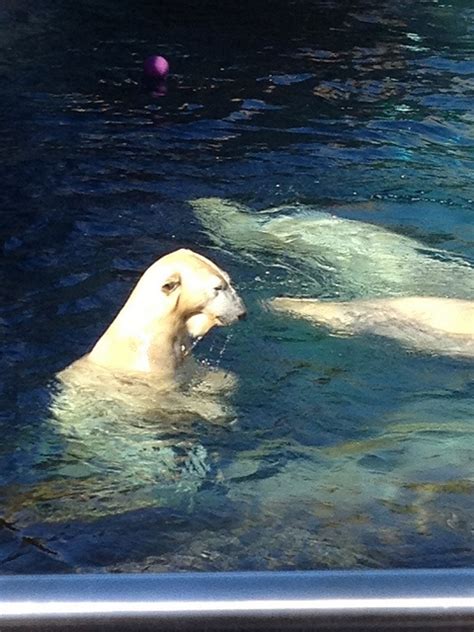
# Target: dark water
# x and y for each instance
(343, 453)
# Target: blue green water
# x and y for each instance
(337, 452)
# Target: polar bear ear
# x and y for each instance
(171, 284)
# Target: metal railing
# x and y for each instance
(320, 600)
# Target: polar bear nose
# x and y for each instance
(242, 315)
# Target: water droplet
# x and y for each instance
(222, 351)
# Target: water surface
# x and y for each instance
(331, 452)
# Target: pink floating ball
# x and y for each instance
(156, 67)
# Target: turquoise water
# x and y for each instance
(328, 452)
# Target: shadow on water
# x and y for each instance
(342, 452)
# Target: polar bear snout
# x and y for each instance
(231, 318)
(226, 306)
(234, 308)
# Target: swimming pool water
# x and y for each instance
(331, 452)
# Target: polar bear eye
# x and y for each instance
(220, 286)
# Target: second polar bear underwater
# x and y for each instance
(385, 283)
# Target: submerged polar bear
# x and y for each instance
(442, 325)
(145, 353)
(368, 265)
(364, 260)
(125, 413)
(180, 297)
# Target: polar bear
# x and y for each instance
(393, 285)
(180, 297)
(142, 364)
(442, 325)
(126, 414)
(356, 259)
(143, 360)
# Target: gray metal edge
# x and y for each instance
(426, 597)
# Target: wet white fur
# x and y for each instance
(396, 286)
